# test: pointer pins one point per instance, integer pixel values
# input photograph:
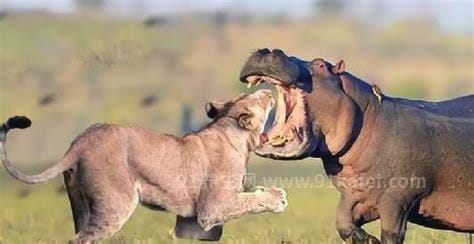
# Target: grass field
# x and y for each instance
(97, 68)
(41, 214)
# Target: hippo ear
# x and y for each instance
(339, 67)
(213, 108)
(344, 125)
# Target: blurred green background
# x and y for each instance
(68, 64)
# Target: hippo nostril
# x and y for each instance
(278, 52)
(264, 51)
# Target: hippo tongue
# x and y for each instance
(263, 138)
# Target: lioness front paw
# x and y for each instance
(273, 198)
(208, 224)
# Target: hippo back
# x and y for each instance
(461, 107)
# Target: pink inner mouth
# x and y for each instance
(263, 137)
(290, 116)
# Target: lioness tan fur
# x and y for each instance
(109, 169)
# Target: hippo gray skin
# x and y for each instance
(391, 158)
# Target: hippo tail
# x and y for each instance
(22, 122)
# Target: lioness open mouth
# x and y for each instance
(290, 127)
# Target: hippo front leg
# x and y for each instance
(393, 218)
(347, 229)
(189, 228)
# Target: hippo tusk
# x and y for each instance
(291, 135)
(278, 141)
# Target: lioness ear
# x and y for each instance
(213, 108)
(339, 67)
(246, 121)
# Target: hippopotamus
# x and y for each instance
(394, 159)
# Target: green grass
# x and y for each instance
(99, 68)
(41, 214)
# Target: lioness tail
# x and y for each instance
(22, 122)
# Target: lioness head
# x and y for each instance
(246, 113)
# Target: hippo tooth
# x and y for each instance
(249, 85)
(279, 143)
(292, 133)
(295, 131)
(279, 140)
(291, 136)
(273, 139)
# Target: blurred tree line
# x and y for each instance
(69, 71)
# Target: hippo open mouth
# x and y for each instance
(290, 136)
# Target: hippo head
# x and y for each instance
(311, 107)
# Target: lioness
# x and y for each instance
(108, 169)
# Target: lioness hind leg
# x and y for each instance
(110, 206)
(79, 205)
(189, 228)
(106, 217)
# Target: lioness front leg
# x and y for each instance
(217, 208)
